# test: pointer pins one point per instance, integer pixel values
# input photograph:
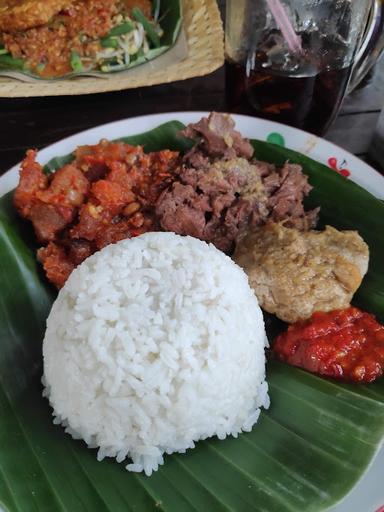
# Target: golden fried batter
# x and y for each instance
(296, 273)
(18, 15)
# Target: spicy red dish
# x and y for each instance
(106, 194)
(345, 344)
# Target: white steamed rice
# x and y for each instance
(152, 344)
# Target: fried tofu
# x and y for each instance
(17, 15)
(296, 273)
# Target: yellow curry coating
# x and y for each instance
(297, 273)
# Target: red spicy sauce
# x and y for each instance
(345, 344)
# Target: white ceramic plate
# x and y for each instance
(368, 494)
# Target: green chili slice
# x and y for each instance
(122, 29)
(109, 42)
(156, 9)
(76, 63)
(148, 26)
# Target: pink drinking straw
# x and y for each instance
(284, 23)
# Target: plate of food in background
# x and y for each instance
(86, 46)
(159, 232)
(62, 39)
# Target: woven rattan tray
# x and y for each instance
(204, 37)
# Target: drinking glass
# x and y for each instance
(291, 60)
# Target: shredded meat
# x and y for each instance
(217, 137)
(287, 188)
(214, 204)
(220, 193)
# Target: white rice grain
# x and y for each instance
(155, 343)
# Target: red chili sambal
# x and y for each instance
(345, 344)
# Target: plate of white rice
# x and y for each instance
(153, 344)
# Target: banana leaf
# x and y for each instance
(306, 452)
(170, 17)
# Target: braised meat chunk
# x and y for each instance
(286, 188)
(220, 192)
(216, 137)
(215, 203)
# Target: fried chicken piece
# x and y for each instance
(48, 220)
(106, 201)
(56, 263)
(17, 15)
(296, 273)
(106, 194)
(119, 204)
(50, 204)
(32, 180)
(67, 187)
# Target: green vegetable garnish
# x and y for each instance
(156, 9)
(137, 55)
(148, 26)
(109, 42)
(3, 51)
(119, 30)
(9, 62)
(76, 63)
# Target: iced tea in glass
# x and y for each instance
(292, 64)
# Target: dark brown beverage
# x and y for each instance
(306, 102)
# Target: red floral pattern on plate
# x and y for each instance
(342, 169)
